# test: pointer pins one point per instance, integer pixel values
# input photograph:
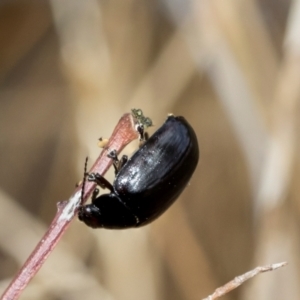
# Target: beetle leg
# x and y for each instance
(100, 180)
(141, 130)
(95, 194)
(123, 161)
(113, 155)
(144, 139)
(118, 164)
(144, 136)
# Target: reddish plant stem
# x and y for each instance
(123, 134)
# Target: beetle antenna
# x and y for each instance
(84, 179)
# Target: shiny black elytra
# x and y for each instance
(149, 182)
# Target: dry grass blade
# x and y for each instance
(239, 280)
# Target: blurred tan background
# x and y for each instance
(70, 69)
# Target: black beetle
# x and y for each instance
(149, 182)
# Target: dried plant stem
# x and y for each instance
(123, 134)
(239, 280)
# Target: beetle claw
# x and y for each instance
(118, 164)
